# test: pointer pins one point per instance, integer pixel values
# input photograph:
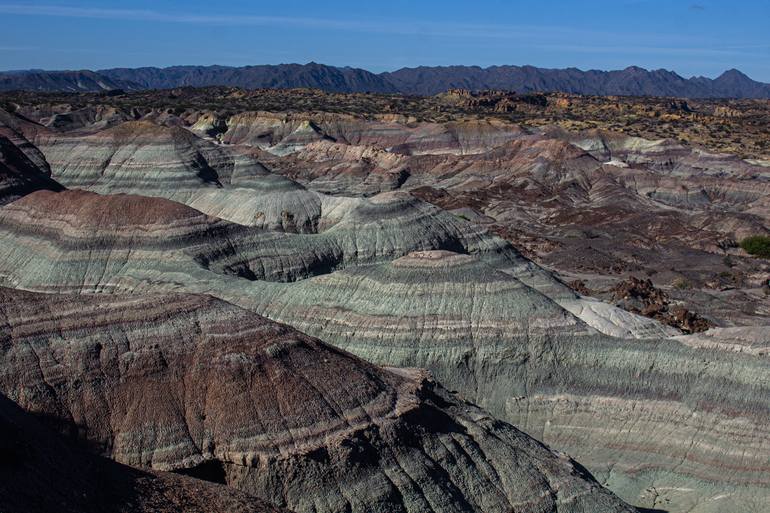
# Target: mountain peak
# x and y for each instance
(733, 74)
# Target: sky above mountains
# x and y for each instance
(698, 37)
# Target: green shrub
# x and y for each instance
(681, 284)
(757, 245)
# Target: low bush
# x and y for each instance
(757, 245)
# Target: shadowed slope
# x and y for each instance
(41, 472)
(23, 168)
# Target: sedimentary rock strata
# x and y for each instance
(190, 382)
(280, 133)
(640, 413)
(80, 241)
(480, 328)
(442, 242)
(142, 157)
(596, 206)
(43, 472)
(23, 169)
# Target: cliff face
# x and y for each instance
(192, 383)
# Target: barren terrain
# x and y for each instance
(377, 302)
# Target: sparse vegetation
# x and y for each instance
(757, 245)
(653, 118)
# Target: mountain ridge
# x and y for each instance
(421, 80)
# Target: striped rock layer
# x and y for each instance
(80, 241)
(177, 382)
(674, 424)
(486, 323)
(45, 473)
(23, 168)
(682, 421)
(141, 157)
(596, 206)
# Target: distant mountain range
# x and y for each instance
(632, 81)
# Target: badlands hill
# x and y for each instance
(23, 169)
(423, 80)
(44, 472)
(431, 243)
(192, 384)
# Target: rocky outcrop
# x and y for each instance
(642, 297)
(192, 383)
(43, 472)
(18, 175)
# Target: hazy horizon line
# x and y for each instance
(582, 70)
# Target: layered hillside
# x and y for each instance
(446, 245)
(83, 242)
(142, 157)
(23, 169)
(43, 472)
(640, 414)
(479, 328)
(191, 383)
(597, 206)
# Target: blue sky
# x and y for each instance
(699, 37)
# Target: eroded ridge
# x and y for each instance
(172, 382)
